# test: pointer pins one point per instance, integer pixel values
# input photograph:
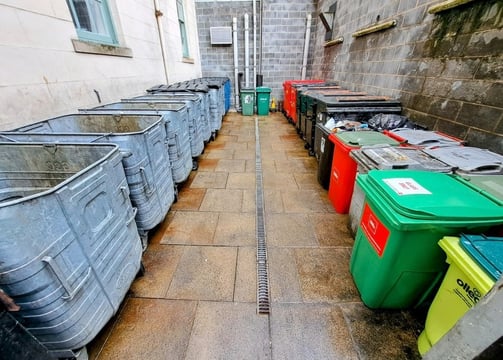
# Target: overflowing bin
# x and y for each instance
(396, 261)
(70, 247)
(247, 101)
(343, 170)
(475, 264)
(177, 129)
(340, 108)
(388, 158)
(141, 139)
(263, 98)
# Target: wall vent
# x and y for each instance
(221, 35)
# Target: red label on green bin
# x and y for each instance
(377, 234)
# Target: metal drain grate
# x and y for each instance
(263, 306)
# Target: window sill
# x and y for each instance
(88, 47)
(188, 60)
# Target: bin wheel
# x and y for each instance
(311, 152)
(141, 270)
(81, 354)
(306, 146)
(195, 165)
(175, 192)
(144, 240)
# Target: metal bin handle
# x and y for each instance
(59, 274)
(130, 220)
(149, 190)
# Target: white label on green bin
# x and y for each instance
(406, 186)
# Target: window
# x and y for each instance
(183, 31)
(93, 21)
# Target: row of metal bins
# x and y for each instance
(79, 194)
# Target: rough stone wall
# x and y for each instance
(446, 68)
(279, 58)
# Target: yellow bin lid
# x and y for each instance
(458, 256)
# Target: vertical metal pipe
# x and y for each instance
(306, 46)
(236, 76)
(254, 43)
(160, 29)
(247, 51)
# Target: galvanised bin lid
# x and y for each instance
(469, 159)
(361, 138)
(435, 197)
(486, 251)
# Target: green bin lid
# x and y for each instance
(361, 138)
(433, 196)
(263, 89)
(493, 184)
(486, 251)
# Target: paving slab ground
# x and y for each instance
(197, 299)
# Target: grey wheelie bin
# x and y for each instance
(193, 103)
(141, 139)
(177, 128)
(70, 247)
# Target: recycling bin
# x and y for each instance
(70, 247)
(247, 101)
(387, 157)
(469, 160)
(335, 104)
(263, 99)
(343, 171)
(475, 264)
(493, 184)
(396, 262)
(290, 96)
(422, 138)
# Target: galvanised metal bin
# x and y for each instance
(190, 87)
(142, 141)
(217, 102)
(193, 103)
(203, 122)
(177, 128)
(69, 249)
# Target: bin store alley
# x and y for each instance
(197, 299)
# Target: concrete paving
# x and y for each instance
(197, 299)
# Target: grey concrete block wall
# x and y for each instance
(218, 60)
(283, 30)
(445, 68)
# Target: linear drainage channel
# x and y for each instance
(263, 304)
